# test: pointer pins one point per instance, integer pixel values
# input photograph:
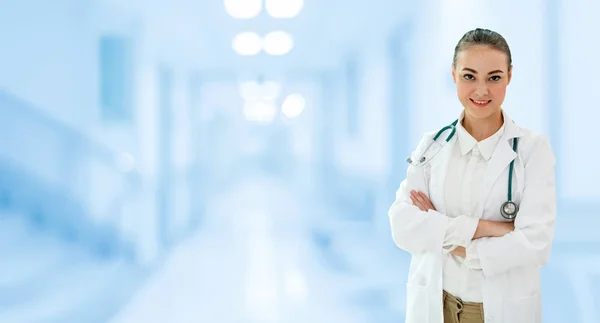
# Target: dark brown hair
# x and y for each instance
(486, 37)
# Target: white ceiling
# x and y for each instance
(200, 31)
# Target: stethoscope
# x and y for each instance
(508, 209)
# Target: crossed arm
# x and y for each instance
(495, 247)
(485, 228)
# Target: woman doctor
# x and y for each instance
(478, 206)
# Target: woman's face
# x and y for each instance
(481, 75)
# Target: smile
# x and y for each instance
(481, 103)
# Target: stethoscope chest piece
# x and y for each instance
(509, 210)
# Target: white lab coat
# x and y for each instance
(511, 264)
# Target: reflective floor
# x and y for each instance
(44, 279)
(265, 257)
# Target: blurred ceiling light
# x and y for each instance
(278, 43)
(283, 8)
(243, 9)
(252, 90)
(260, 111)
(246, 43)
(293, 105)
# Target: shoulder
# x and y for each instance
(535, 146)
(425, 144)
(426, 138)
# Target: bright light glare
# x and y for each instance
(278, 43)
(261, 111)
(293, 105)
(284, 8)
(246, 43)
(243, 9)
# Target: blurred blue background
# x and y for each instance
(234, 160)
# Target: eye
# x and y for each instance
(469, 77)
(495, 78)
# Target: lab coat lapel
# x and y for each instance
(500, 161)
(439, 169)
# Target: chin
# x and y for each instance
(481, 112)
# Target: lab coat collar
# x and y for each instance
(487, 146)
(511, 130)
(467, 142)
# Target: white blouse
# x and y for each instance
(463, 277)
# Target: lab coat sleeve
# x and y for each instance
(530, 243)
(472, 256)
(416, 231)
(460, 232)
(413, 230)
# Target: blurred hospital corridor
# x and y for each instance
(233, 161)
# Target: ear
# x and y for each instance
(509, 74)
(453, 73)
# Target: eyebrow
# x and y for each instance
(475, 72)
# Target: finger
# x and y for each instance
(422, 199)
(418, 204)
(415, 201)
(426, 200)
(414, 196)
(414, 193)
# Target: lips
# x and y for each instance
(480, 103)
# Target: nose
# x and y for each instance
(481, 90)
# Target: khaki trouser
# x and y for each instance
(457, 311)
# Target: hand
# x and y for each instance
(502, 228)
(421, 201)
(487, 228)
(459, 251)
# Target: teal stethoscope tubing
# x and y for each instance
(508, 209)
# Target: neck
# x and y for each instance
(481, 129)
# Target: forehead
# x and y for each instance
(481, 58)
